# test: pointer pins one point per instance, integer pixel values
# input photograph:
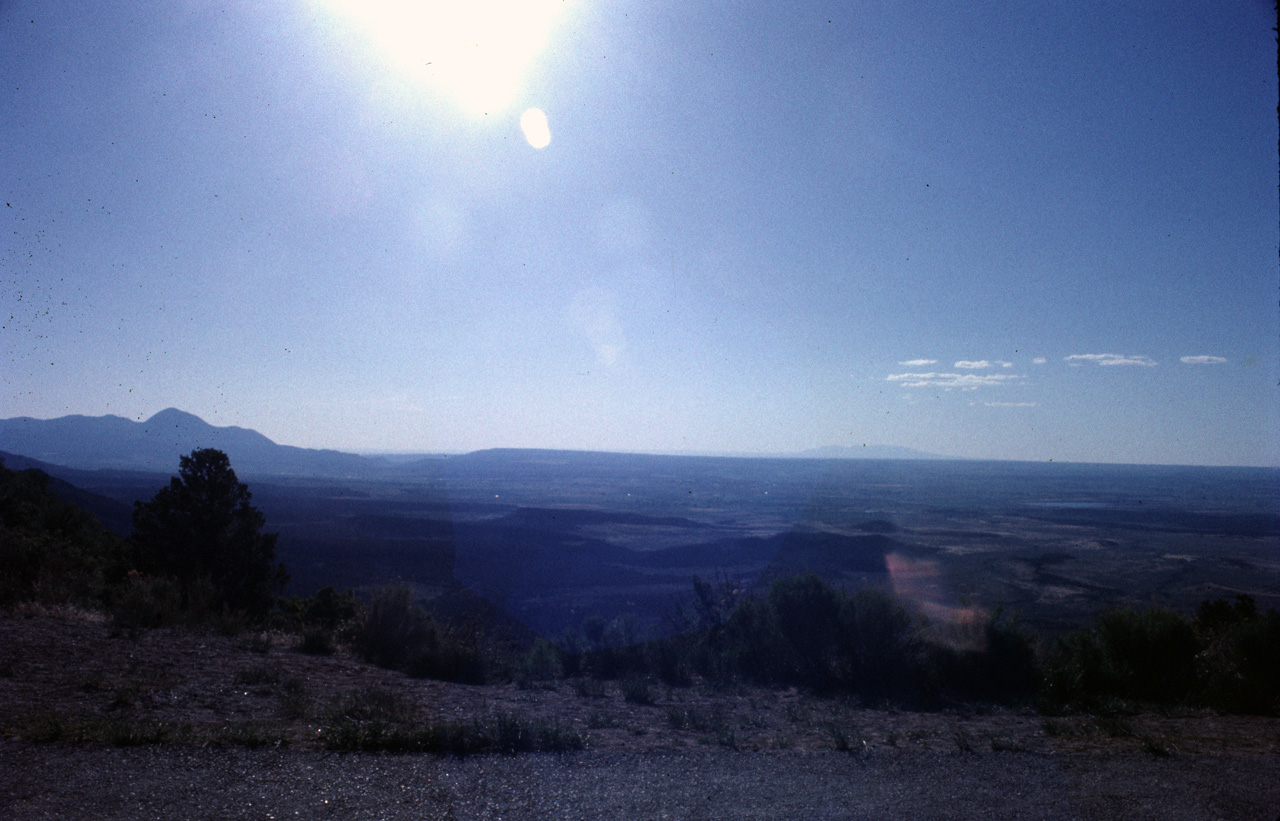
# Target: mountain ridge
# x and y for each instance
(157, 443)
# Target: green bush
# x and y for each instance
(808, 614)
(497, 733)
(639, 690)
(1239, 667)
(1152, 653)
(145, 602)
(590, 688)
(997, 664)
(395, 632)
(316, 641)
(609, 650)
(878, 645)
(50, 550)
(751, 646)
(540, 663)
(1128, 656)
(327, 609)
(808, 633)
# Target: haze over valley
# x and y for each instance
(549, 539)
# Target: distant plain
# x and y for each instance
(553, 537)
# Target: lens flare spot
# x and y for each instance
(534, 125)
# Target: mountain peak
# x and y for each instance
(174, 417)
(158, 444)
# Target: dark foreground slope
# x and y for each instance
(164, 783)
(246, 722)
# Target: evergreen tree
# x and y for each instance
(203, 531)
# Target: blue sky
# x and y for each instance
(1012, 231)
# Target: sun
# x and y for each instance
(477, 52)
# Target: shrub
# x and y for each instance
(608, 650)
(375, 704)
(50, 550)
(327, 609)
(395, 632)
(540, 663)
(1239, 667)
(808, 633)
(145, 602)
(1129, 655)
(497, 733)
(638, 690)
(999, 666)
(590, 688)
(1152, 653)
(751, 646)
(673, 660)
(258, 675)
(316, 641)
(808, 614)
(877, 643)
(249, 734)
(295, 698)
(390, 627)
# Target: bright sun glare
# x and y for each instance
(478, 52)
(536, 130)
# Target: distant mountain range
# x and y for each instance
(112, 442)
(116, 443)
(867, 452)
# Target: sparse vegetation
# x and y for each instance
(295, 698)
(540, 664)
(51, 551)
(394, 631)
(496, 733)
(861, 646)
(590, 688)
(1227, 657)
(638, 690)
(317, 641)
(845, 741)
(144, 602)
(804, 632)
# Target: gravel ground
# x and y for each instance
(166, 782)
(693, 753)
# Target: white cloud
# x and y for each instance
(1110, 359)
(965, 381)
(978, 365)
(1010, 404)
(1204, 360)
(915, 363)
(1039, 360)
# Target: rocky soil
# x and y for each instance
(243, 721)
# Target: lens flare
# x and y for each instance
(536, 130)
